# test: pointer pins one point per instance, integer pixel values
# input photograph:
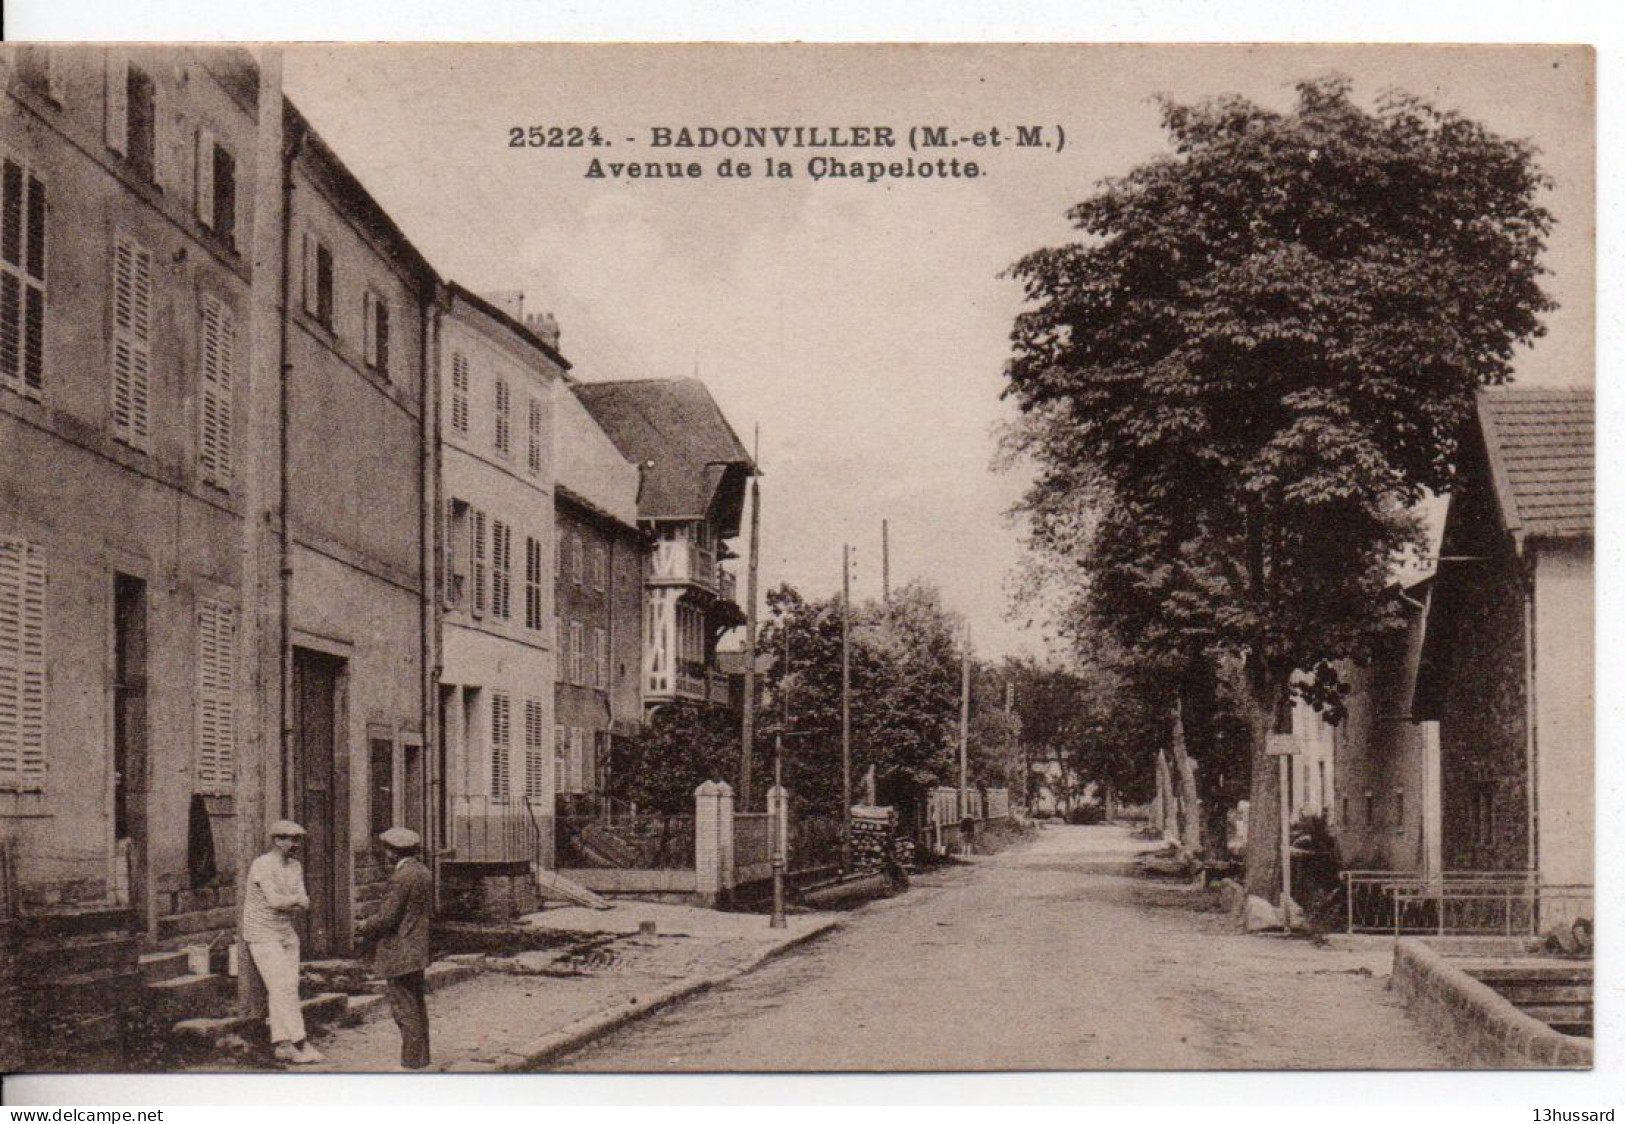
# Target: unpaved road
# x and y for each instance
(1049, 956)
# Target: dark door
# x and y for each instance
(130, 737)
(314, 794)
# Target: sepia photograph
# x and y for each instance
(796, 558)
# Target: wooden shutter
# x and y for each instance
(380, 341)
(22, 665)
(501, 739)
(476, 530)
(578, 654)
(504, 434)
(309, 275)
(534, 457)
(216, 678)
(132, 345)
(535, 750)
(22, 278)
(369, 328)
(216, 371)
(501, 570)
(459, 392)
(118, 110)
(203, 180)
(600, 659)
(560, 734)
(558, 648)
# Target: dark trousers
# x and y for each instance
(411, 1013)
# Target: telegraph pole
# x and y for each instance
(964, 727)
(885, 563)
(780, 859)
(846, 708)
(747, 736)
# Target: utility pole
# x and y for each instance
(964, 727)
(846, 708)
(747, 736)
(780, 859)
(885, 563)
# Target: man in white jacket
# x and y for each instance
(274, 896)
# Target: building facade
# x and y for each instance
(1508, 660)
(690, 498)
(498, 385)
(598, 584)
(126, 354)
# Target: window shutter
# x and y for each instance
(535, 454)
(558, 648)
(535, 750)
(476, 525)
(312, 306)
(504, 435)
(459, 392)
(22, 664)
(577, 737)
(381, 336)
(369, 335)
(132, 315)
(118, 115)
(501, 570)
(600, 659)
(217, 370)
(578, 654)
(22, 279)
(216, 672)
(203, 180)
(560, 734)
(501, 735)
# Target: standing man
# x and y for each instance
(399, 934)
(274, 897)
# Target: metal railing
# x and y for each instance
(815, 845)
(753, 839)
(1459, 902)
(626, 842)
(485, 829)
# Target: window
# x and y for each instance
(375, 329)
(501, 734)
(22, 665)
(559, 735)
(600, 659)
(501, 570)
(533, 584)
(22, 279)
(572, 776)
(459, 392)
(558, 649)
(535, 751)
(1483, 814)
(458, 539)
(132, 341)
(39, 68)
(132, 115)
(561, 550)
(1399, 809)
(216, 675)
(481, 567)
(1370, 808)
(578, 654)
(318, 280)
(578, 558)
(504, 432)
(214, 194)
(216, 367)
(533, 458)
(381, 778)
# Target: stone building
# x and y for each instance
(495, 786)
(1507, 661)
(598, 583)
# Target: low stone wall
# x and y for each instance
(487, 891)
(1481, 1025)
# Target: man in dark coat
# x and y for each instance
(399, 936)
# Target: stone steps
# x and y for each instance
(159, 966)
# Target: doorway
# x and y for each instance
(130, 743)
(317, 798)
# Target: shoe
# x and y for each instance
(307, 1054)
(285, 1052)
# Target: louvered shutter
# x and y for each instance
(369, 328)
(22, 665)
(459, 392)
(476, 524)
(216, 678)
(203, 181)
(216, 376)
(22, 278)
(535, 750)
(310, 284)
(381, 336)
(501, 737)
(118, 115)
(132, 330)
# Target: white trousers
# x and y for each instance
(278, 964)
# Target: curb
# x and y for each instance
(584, 1031)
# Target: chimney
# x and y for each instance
(546, 325)
(511, 302)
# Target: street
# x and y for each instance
(1052, 955)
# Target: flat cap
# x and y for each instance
(400, 838)
(285, 827)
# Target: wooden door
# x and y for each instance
(314, 795)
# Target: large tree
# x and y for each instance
(1257, 358)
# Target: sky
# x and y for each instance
(863, 328)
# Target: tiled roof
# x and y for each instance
(675, 427)
(1541, 445)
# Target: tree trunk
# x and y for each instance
(1189, 822)
(1264, 802)
(1216, 829)
(1166, 817)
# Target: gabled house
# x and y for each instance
(1507, 661)
(690, 498)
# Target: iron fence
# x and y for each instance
(815, 845)
(485, 829)
(753, 839)
(626, 842)
(1459, 902)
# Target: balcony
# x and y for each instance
(678, 560)
(727, 586)
(719, 688)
